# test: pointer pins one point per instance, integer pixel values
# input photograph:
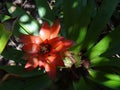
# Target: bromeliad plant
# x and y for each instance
(80, 51)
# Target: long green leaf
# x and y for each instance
(99, 48)
(4, 37)
(115, 85)
(108, 45)
(114, 47)
(99, 22)
(76, 20)
(106, 62)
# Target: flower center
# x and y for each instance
(44, 48)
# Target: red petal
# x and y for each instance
(45, 31)
(67, 44)
(55, 28)
(26, 39)
(42, 62)
(31, 63)
(31, 48)
(51, 59)
(56, 39)
(59, 61)
(51, 71)
(58, 46)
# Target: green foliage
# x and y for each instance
(25, 24)
(44, 10)
(99, 22)
(4, 37)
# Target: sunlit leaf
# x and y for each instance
(113, 77)
(44, 10)
(109, 44)
(112, 84)
(26, 24)
(4, 17)
(114, 47)
(4, 37)
(99, 48)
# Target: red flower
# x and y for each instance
(46, 49)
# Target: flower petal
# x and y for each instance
(55, 28)
(67, 44)
(51, 59)
(59, 61)
(31, 48)
(32, 63)
(26, 39)
(45, 31)
(42, 62)
(58, 46)
(51, 71)
(54, 40)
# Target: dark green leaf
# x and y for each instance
(81, 85)
(37, 83)
(99, 22)
(105, 62)
(76, 25)
(20, 71)
(13, 54)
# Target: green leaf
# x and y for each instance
(37, 83)
(26, 24)
(13, 54)
(20, 71)
(99, 22)
(70, 12)
(96, 81)
(44, 10)
(76, 20)
(81, 85)
(106, 62)
(4, 37)
(114, 47)
(99, 48)
(79, 27)
(12, 84)
(4, 18)
(112, 84)
(114, 77)
(107, 45)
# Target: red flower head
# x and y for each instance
(46, 49)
